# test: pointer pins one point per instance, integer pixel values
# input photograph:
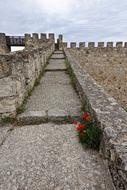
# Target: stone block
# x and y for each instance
(119, 44)
(32, 117)
(51, 36)
(125, 44)
(100, 44)
(35, 35)
(61, 38)
(81, 44)
(65, 44)
(4, 48)
(109, 44)
(91, 44)
(27, 36)
(73, 45)
(43, 36)
(8, 105)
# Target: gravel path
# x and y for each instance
(49, 157)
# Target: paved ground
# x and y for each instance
(49, 156)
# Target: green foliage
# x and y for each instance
(87, 130)
(8, 120)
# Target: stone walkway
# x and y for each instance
(49, 156)
(54, 98)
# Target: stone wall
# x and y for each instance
(18, 73)
(111, 118)
(108, 67)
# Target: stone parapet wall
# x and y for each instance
(98, 44)
(111, 118)
(108, 67)
(18, 73)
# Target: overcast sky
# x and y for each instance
(77, 20)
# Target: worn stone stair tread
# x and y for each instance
(32, 117)
(58, 52)
(53, 78)
(38, 117)
(56, 67)
(54, 61)
(58, 56)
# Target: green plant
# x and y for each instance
(87, 130)
(7, 120)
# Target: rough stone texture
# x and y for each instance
(57, 56)
(108, 67)
(18, 73)
(58, 52)
(3, 44)
(57, 61)
(111, 118)
(4, 132)
(55, 67)
(32, 117)
(49, 157)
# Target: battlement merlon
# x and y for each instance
(52, 36)
(4, 48)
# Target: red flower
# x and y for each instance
(87, 116)
(80, 127)
(83, 133)
(75, 122)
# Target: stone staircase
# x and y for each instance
(45, 155)
(54, 99)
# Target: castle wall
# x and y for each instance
(111, 118)
(18, 73)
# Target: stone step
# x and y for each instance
(58, 52)
(39, 117)
(57, 61)
(56, 67)
(58, 56)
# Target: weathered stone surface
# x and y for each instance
(8, 105)
(4, 132)
(55, 67)
(111, 118)
(57, 56)
(32, 117)
(3, 44)
(54, 93)
(58, 52)
(8, 87)
(57, 61)
(47, 157)
(18, 73)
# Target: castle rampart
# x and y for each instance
(111, 118)
(19, 72)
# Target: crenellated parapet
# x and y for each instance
(28, 41)
(18, 74)
(92, 45)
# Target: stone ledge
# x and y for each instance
(110, 117)
(32, 117)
